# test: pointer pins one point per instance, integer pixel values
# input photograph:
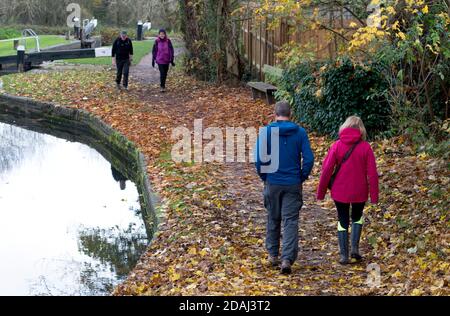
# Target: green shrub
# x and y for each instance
(325, 94)
(40, 29)
(298, 87)
(7, 33)
(350, 89)
(109, 34)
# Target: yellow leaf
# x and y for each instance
(192, 251)
(397, 274)
(401, 35)
(390, 10)
(141, 289)
(416, 292)
(423, 156)
(175, 277)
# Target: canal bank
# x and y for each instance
(80, 126)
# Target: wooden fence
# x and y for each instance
(261, 44)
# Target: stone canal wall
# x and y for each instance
(81, 126)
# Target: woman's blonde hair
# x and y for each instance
(355, 122)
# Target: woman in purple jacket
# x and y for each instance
(163, 55)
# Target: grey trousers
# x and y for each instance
(283, 204)
(123, 70)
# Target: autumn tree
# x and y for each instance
(212, 36)
(109, 12)
(409, 39)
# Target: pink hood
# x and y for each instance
(349, 136)
(358, 175)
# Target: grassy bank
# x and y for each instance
(140, 50)
(7, 48)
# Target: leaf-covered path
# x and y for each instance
(145, 73)
(211, 237)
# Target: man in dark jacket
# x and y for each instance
(122, 56)
(284, 161)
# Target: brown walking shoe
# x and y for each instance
(274, 261)
(286, 267)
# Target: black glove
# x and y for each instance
(173, 64)
(153, 64)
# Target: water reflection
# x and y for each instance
(116, 247)
(66, 227)
(119, 178)
(15, 145)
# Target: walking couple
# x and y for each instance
(122, 57)
(349, 169)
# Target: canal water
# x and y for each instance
(66, 225)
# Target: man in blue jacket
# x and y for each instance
(284, 161)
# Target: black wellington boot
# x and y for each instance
(356, 236)
(343, 246)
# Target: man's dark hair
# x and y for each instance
(283, 108)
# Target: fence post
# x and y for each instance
(266, 46)
(260, 52)
(21, 58)
(250, 44)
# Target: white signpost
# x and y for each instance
(103, 52)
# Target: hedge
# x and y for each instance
(323, 95)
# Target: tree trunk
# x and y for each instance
(212, 39)
(219, 31)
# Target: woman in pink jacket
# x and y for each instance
(163, 55)
(350, 170)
